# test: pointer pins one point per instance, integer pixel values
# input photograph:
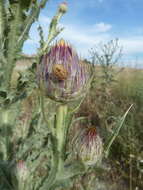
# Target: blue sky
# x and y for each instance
(89, 22)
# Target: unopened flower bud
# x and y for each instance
(61, 75)
(21, 170)
(63, 7)
(88, 146)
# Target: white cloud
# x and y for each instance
(85, 37)
(44, 20)
(34, 35)
(132, 45)
(102, 27)
(82, 38)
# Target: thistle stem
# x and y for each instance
(2, 19)
(58, 143)
(61, 132)
(5, 123)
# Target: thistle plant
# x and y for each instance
(33, 148)
(65, 80)
(107, 56)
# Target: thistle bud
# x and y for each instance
(88, 146)
(61, 75)
(63, 7)
(21, 171)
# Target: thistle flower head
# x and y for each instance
(62, 75)
(88, 146)
(63, 7)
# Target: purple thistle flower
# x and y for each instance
(88, 146)
(62, 75)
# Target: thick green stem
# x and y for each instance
(4, 124)
(3, 32)
(2, 18)
(12, 50)
(7, 122)
(61, 132)
(54, 166)
(58, 143)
